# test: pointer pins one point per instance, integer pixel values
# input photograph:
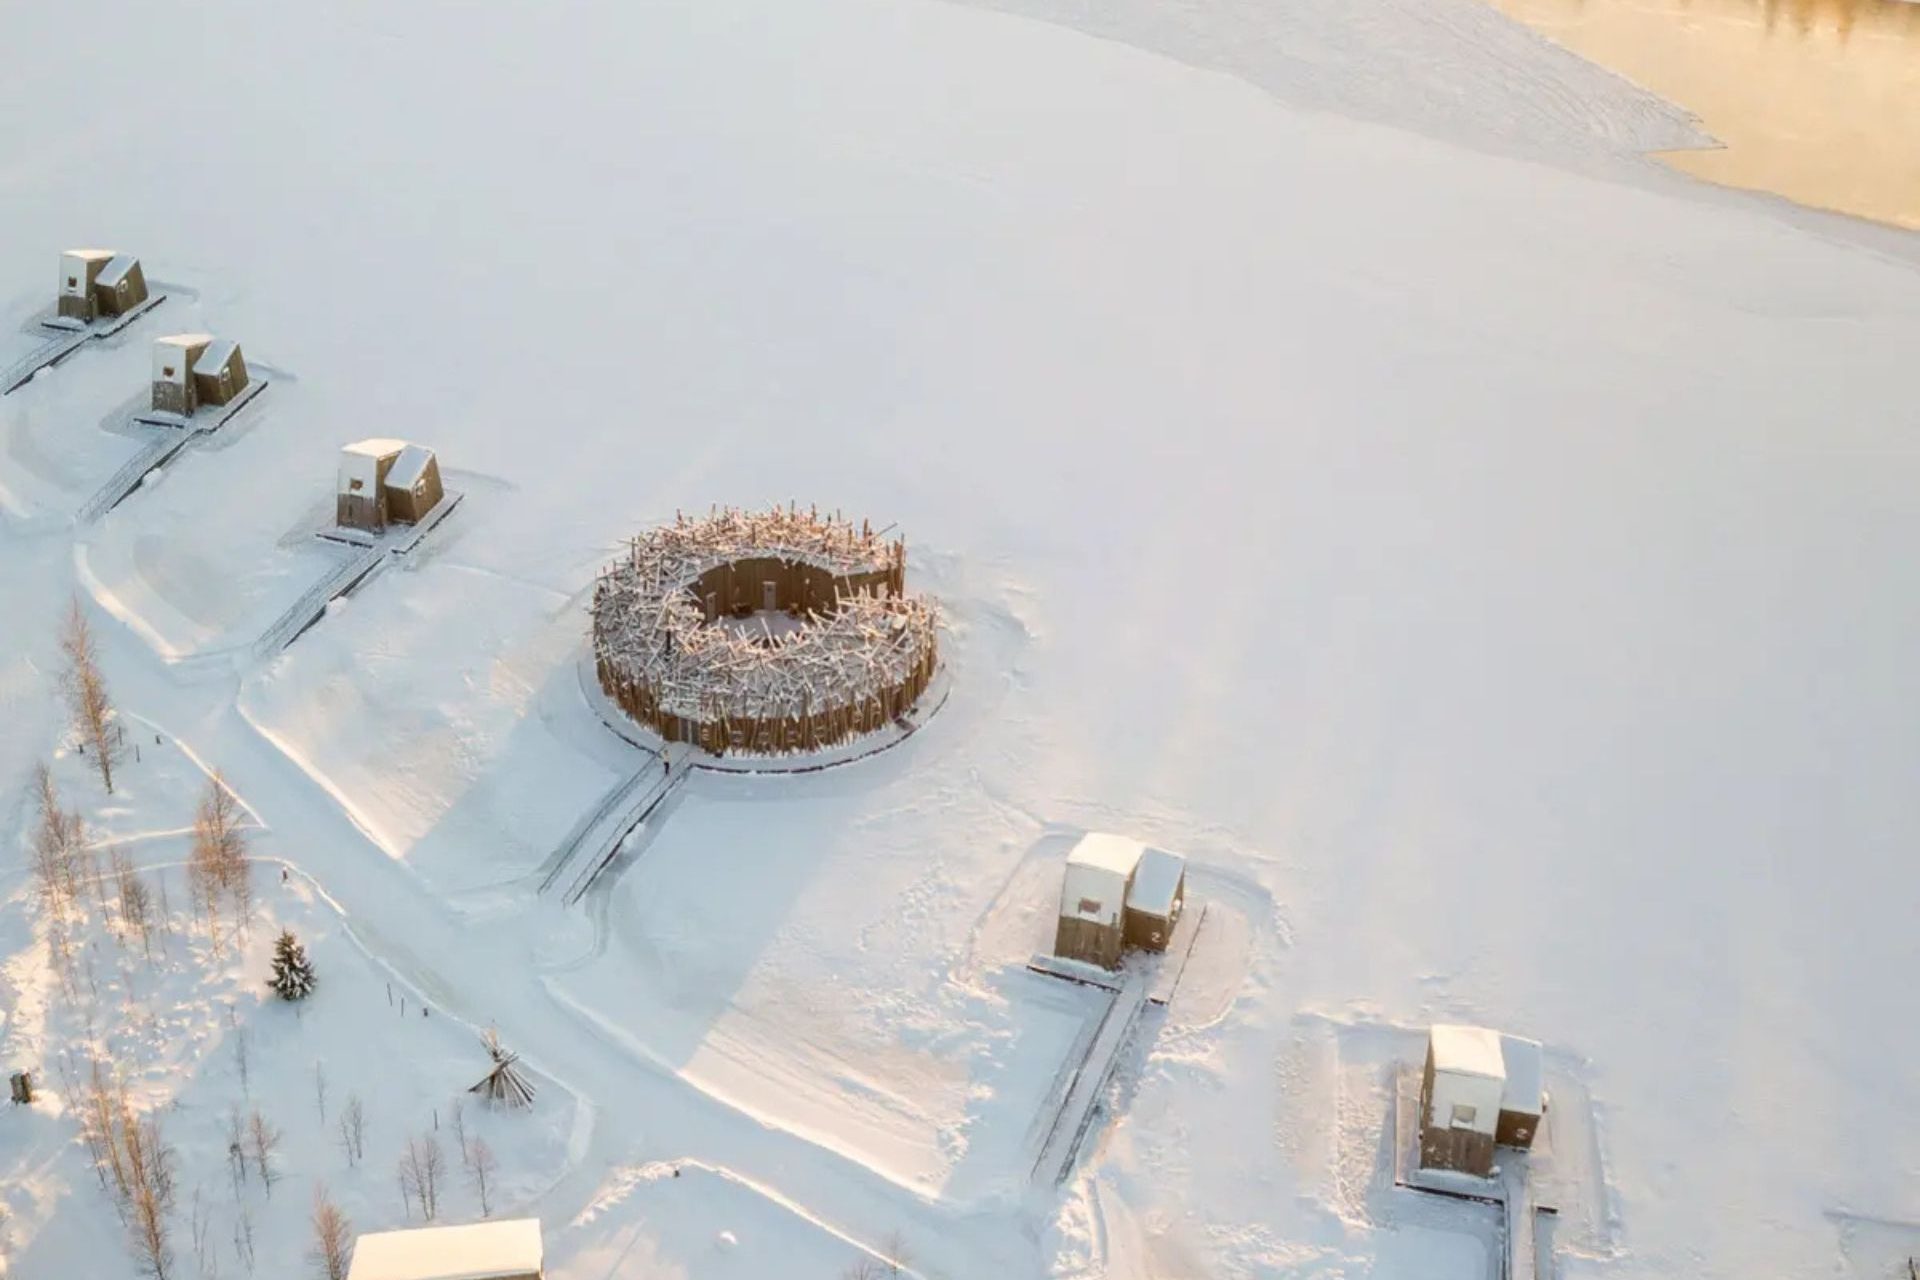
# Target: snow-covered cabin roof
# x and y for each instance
(116, 269)
(1155, 880)
(1526, 1090)
(478, 1251)
(1098, 868)
(1467, 1051)
(409, 466)
(361, 461)
(215, 357)
(172, 353)
(89, 255)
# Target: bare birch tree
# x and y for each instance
(236, 1149)
(353, 1130)
(200, 1223)
(482, 1166)
(60, 861)
(50, 846)
(264, 1139)
(135, 901)
(220, 866)
(332, 1234)
(243, 1237)
(99, 1122)
(460, 1132)
(897, 1256)
(166, 909)
(421, 1169)
(433, 1170)
(87, 698)
(147, 1162)
(242, 1058)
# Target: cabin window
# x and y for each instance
(1463, 1116)
(353, 486)
(166, 371)
(1089, 906)
(73, 282)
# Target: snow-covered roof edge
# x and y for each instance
(1466, 1051)
(218, 352)
(476, 1251)
(117, 268)
(1526, 1089)
(1155, 881)
(409, 467)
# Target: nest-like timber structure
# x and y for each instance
(678, 648)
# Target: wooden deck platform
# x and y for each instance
(1162, 971)
(208, 418)
(1526, 1221)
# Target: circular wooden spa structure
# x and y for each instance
(762, 633)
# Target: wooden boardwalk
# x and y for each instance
(169, 436)
(57, 342)
(50, 351)
(619, 840)
(1089, 1079)
(1145, 979)
(312, 604)
(617, 803)
(156, 453)
(368, 553)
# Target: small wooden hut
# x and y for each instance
(1093, 899)
(1154, 901)
(79, 268)
(360, 493)
(412, 485)
(219, 372)
(173, 384)
(1460, 1097)
(384, 481)
(510, 1249)
(120, 287)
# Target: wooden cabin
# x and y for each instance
(1460, 1097)
(1154, 900)
(1093, 899)
(120, 286)
(173, 357)
(219, 372)
(510, 1249)
(412, 485)
(360, 493)
(79, 268)
(383, 481)
(1523, 1103)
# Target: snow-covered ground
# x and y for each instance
(1482, 554)
(194, 1032)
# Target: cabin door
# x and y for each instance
(769, 596)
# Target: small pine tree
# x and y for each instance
(292, 973)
